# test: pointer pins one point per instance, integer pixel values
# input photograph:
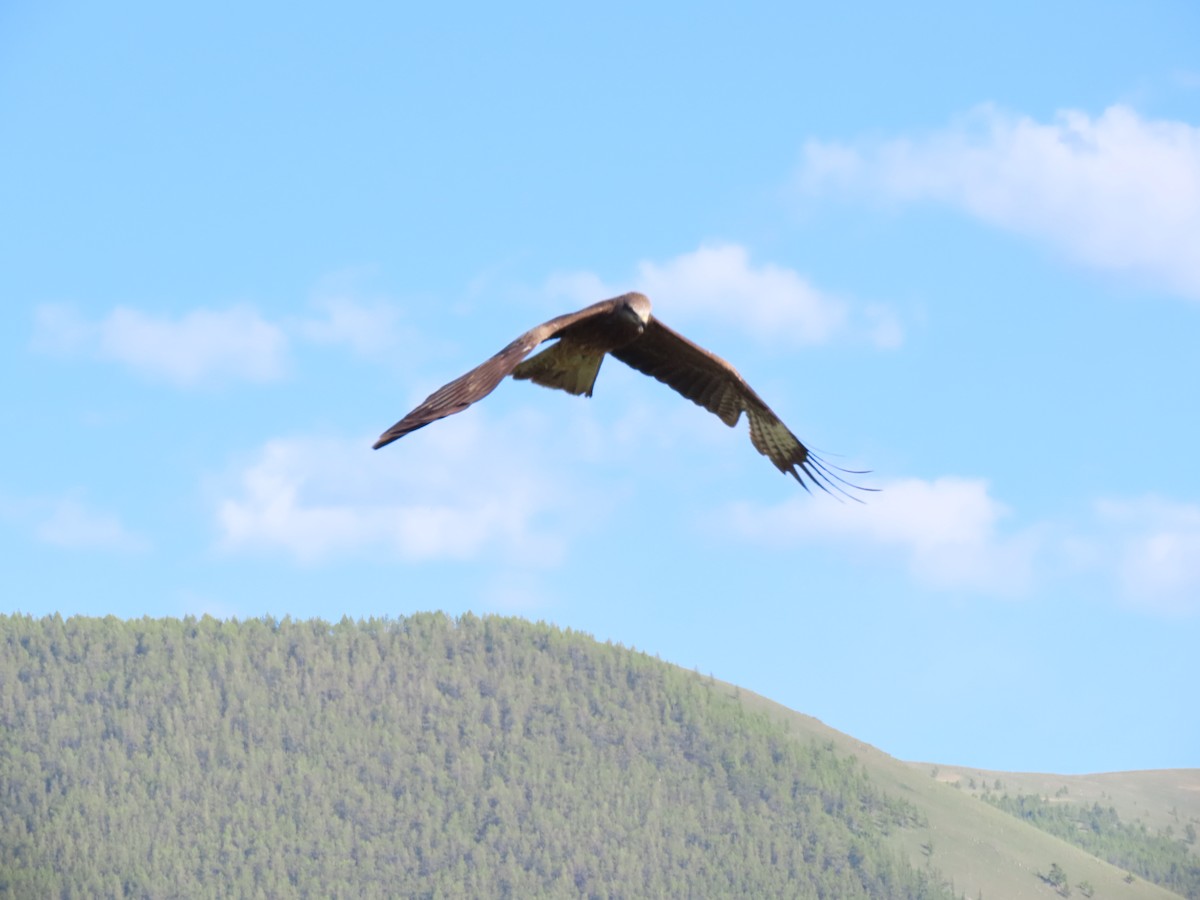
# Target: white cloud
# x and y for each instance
(719, 283)
(950, 532)
(946, 529)
(1154, 547)
(771, 302)
(461, 490)
(69, 523)
(1116, 191)
(202, 344)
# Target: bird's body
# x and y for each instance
(624, 328)
(574, 362)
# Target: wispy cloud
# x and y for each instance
(466, 489)
(367, 328)
(68, 522)
(580, 288)
(1153, 546)
(60, 330)
(947, 530)
(195, 603)
(515, 592)
(1115, 191)
(719, 283)
(201, 345)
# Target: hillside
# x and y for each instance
(1144, 822)
(426, 756)
(414, 757)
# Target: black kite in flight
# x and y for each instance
(624, 328)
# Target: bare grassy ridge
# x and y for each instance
(986, 851)
(1158, 799)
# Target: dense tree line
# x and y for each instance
(421, 756)
(1158, 858)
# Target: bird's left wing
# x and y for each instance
(711, 382)
(482, 380)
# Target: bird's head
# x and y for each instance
(636, 306)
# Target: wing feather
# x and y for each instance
(709, 381)
(482, 380)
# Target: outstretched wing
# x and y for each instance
(711, 382)
(482, 380)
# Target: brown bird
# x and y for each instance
(624, 328)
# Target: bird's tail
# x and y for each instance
(564, 366)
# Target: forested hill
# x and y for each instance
(421, 756)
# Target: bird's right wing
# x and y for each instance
(711, 382)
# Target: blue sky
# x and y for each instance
(958, 247)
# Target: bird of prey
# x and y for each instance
(624, 328)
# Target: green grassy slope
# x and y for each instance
(982, 849)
